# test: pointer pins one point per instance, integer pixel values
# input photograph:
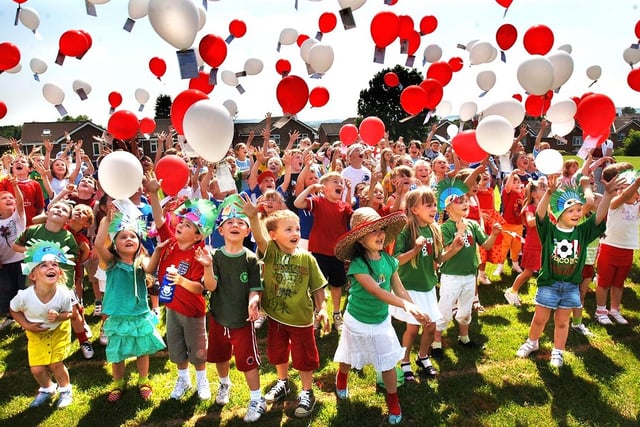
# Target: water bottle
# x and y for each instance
(167, 287)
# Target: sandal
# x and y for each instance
(114, 395)
(145, 391)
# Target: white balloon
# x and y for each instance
(562, 68)
(353, 4)
(468, 110)
(594, 72)
(98, 1)
(81, 84)
(631, 56)
(480, 53)
(29, 18)
(53, 93)
(202, 16)
(444, 108)
(432, 53)
(142, 96)
(495, 135)
(566, 48)
(494, 54)
(253, 66)
(321, 57)
(229, 77)
(563, 128)
(37, 65)
(208, 128)
(15, 70)
(486, 79)
(470, 44)
(549, 161)
(120, 174)
(138, 8)
(176, 21)
(510, 109)
(561, 111)
(288, 36)
(452, 130)
(535, 75)
(231, 106)
(305, 47)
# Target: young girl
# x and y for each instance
(130, 325)
(367, 335)
(512, 197)
(43, 310)
(59, 176)
(418, 248)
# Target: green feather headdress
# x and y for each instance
(201, 212)
(449, 190)
(39, 251)
(630, 176)
(123, 222)
(565, 197)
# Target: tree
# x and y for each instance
(80, 118)
(626, 111)
(632, 144)
(383, 101)
(11, 131)
(163, 107)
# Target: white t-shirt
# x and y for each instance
(622, 227)
(10, 229)
(35, 311)
(355, 176)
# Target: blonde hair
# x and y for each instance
(422, 195)
(271, 223)
(532, 186)
(327, 176)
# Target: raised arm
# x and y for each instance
(152, 185)
(251, 211)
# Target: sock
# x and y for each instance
(51, 389)
(226, 380)
(406, 366)
(143, 380)
(498, 269)
(201, 375)
(424, 361)
(255, 394)
(534, 342)
(336, 313)
(464, 339)
(601, 309)
(614, 309)
(63, 389)
(393, 404)
(436, 344)
(98, 302)
(341, 380)
(81, 336)
(577, 320)
(183, 373)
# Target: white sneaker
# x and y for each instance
(103, 340)
(581, 329)
(516, 268)
(483, 279)
(87, 350)
(181, 387)
(512, 298)
(65, 399)
(526, 349)
(6, 323)
(204, 391)
(618, 317)
(557, 358)
(603, 318)
(255, 410)
(222, 398)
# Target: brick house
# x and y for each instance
(34, 133)
(282, 127)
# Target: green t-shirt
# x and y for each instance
(289, 282)
(361, 304)
(238, 275)
(465, 262)
(423, 278)
(564, 252)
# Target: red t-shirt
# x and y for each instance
(531, 239)
(330, 221)
(184, 302)
(81, 238)
(32, 195)
(486, 199)
(512, 206)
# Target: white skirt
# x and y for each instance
(364, 344)
(426, 301)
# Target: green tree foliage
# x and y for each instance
(163, 107)
(628, 110)
(384, 102)
(80, 118)
(632, 144)
(11, 131)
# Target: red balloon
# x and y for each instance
(413, 42)
(173, 173)
(538, 40)
(292, 93)
(372, 130)
(3, 109)
(391, 79)
(181, 104)
(123, 124)
(147, 125)
(428, 24)
(637, 29)
(633, 79)
(9, 56)
(283, 67)
(384, 28)
(413, 99)
(115, 99)
(576, 99)
(237, 28)
(504, 3)
(319, 96)
(213, 50)
(506, 36)
(441, 71)
(595, 113)
(537, 105)
(73, 43)
(456, 63)
(89, 39)
(388, 2)
(348, 134)
(20, 1)
(406, 26)
(517, 96)
(466, 146)
(157, 66)
(301, 39)
(434, 92)
(327, 22)
(201, 83)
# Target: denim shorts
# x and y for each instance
(559, 295)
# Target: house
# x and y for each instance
(330, 131)
(282, 127)
(34, 133)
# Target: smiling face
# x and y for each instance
(373, 242)
(458, 208)
(333, 188)
(20, 167)
(286, 234)
(425, 213)
(59, 169)
(571, 216)
(59, 213)
(186, 232)
(234, 230)
(47, 273)
(7, 203)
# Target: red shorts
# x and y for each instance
(531, 258)
(299, 341)
(241, 342)
(587, 271)
(614, 265)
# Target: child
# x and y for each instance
(512, 202)
(31, 190)
(562, 261)
(81, 219)
(232, 275)
(368, 336)
(292, 283)
(418, 249)
(130, 325)
(43, 310)
(460, 266)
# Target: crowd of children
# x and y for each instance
(405, 236)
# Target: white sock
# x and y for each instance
(51, 389)
(63, 389)
(225, 380)
(255, 394)
(201, 375)
(183, 373)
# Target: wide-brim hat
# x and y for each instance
(363, 222)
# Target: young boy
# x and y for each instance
(232, 275)
(331, 215)
(31, 190)
(563, 257)
(292, 282)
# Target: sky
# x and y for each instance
(598, 31)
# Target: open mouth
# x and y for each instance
(51, 274)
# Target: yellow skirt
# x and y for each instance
(46, 348)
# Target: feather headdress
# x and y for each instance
(565, 197)
(449, 190)
(123, 222)
(39, 251)
(201, 212)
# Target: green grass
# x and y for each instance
(634, 160)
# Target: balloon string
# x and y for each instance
(593, 82)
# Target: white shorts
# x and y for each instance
(460, 290)
(102, 279)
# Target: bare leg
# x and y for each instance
(117, 370)
(253, 379)
(408, 338)
(561, 328)
(223, 369)
(61, 373)
(41, 375)
(336, 295)
(390, 380)
(306, 377)
(540, 319)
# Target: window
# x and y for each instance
(576, 141)
(276, 138)
(304, 135)
(95, 146)
(621, 137)
(46, 132)
(153, 145)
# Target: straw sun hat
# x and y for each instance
(363, 222)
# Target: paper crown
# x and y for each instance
(449, 190)
(123, 222)
(565, 197)
(230, 209)
(201, 212)
(39, 251)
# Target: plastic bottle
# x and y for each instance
(167, 288)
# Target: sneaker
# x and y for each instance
(42, 398)
(395, 419)
(557, 358)
(603, 318)
(478, 307)
(581, 329)
(512, 298)
(306, 403)
(337, 322)
(526, 349)
(255, 410)
(409, 377)
(259, 321)
(6, 323)
(97, 310)
(204, 391)
(515, 268)
(222, 398)
(87, 350)
(497, 272)
(344, 394)
(437, 353)
(65, 399)
(425, 368)
(277, 392)
(471, 344)
(103, 340)
(618, 317)
(483, 279)
(182, 386)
